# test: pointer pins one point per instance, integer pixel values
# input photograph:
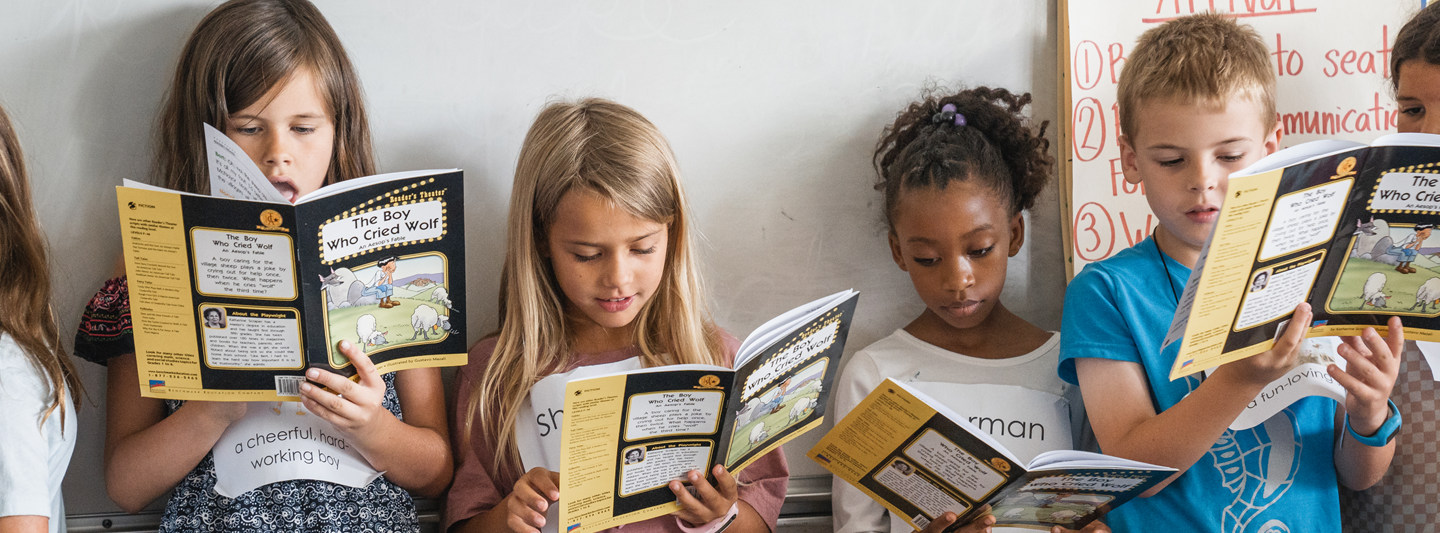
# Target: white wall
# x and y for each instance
(772, 108)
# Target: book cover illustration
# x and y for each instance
(1344, 227)
(921, 460)
(626, 436)
(234, 295)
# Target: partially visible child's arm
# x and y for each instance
(1117, 398)
(146, 452)
(414, 453)
(1371, 366)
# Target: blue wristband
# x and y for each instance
(1384, 435)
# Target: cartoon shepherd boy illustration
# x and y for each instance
(380, 286)
(1409, 247)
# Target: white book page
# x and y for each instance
(1076, 459)
(654, 369)
(146, 186)
(349, 185)
(782, 325)
(1408, 139)
(1298, 154)
(233, 174)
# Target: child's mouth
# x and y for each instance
(286, 188)
(615, 305)
(1203, 214)
(963, 309)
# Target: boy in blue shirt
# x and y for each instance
(1197, 103)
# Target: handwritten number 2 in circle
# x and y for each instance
(1088, 129)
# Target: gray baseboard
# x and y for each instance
(806, 510)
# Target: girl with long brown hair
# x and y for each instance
(273, 76)
(600, 276)
(38, 384)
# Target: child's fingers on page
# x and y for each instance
(330, 380)
(943, 521)
(364, 367)
(729, 487)
(691, 510)
(1354, 388)
(321, 411)
(1395, 337)
(1295, 331)
(704, 491)
(544, 482)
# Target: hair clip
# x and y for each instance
(947, 114)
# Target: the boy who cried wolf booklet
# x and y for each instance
(1340, 225)
(920, 460)
(235, 295)
(625, 436)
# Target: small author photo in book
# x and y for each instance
(1262, 278)
(214, 317)
(902, 467)
(634, 455)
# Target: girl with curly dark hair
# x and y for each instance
(957, 171)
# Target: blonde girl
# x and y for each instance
(273, 76)
(599, 276)
(37, 380)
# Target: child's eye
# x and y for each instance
(1232, 158)
(982, 252)
(1171, 162)
(586, 258)
(1413, 111)
(247, 130)
(926, 261)
(646, 251)
(303, 130)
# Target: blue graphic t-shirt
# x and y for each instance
(1277, 477)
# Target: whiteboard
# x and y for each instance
(772, 109)
(1331, 59)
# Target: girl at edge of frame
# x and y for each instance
(599, 277)
(1415, 81)
(38, 383)
(273, 76)
(956, 172)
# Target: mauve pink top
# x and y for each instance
(477, 488)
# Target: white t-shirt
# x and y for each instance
(33, 458)
(949, 377)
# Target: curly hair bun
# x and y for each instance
(993, 143)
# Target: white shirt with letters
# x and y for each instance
(986, 391)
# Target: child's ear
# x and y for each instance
(1129, 160)
(1017, 233)
(1272, 141)
(895, 251)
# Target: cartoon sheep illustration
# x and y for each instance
(426, 319)
(1428, 296)
(365, 329)
(802, 408)
(758, 434)
(1372, 293)
(441, 297)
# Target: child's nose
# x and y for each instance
(277, 148)
(959, 278)
(617, 273)
(1206, 177)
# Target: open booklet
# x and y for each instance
(920, 460)
(625, 436)
(234, 295)
(1343, 226)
